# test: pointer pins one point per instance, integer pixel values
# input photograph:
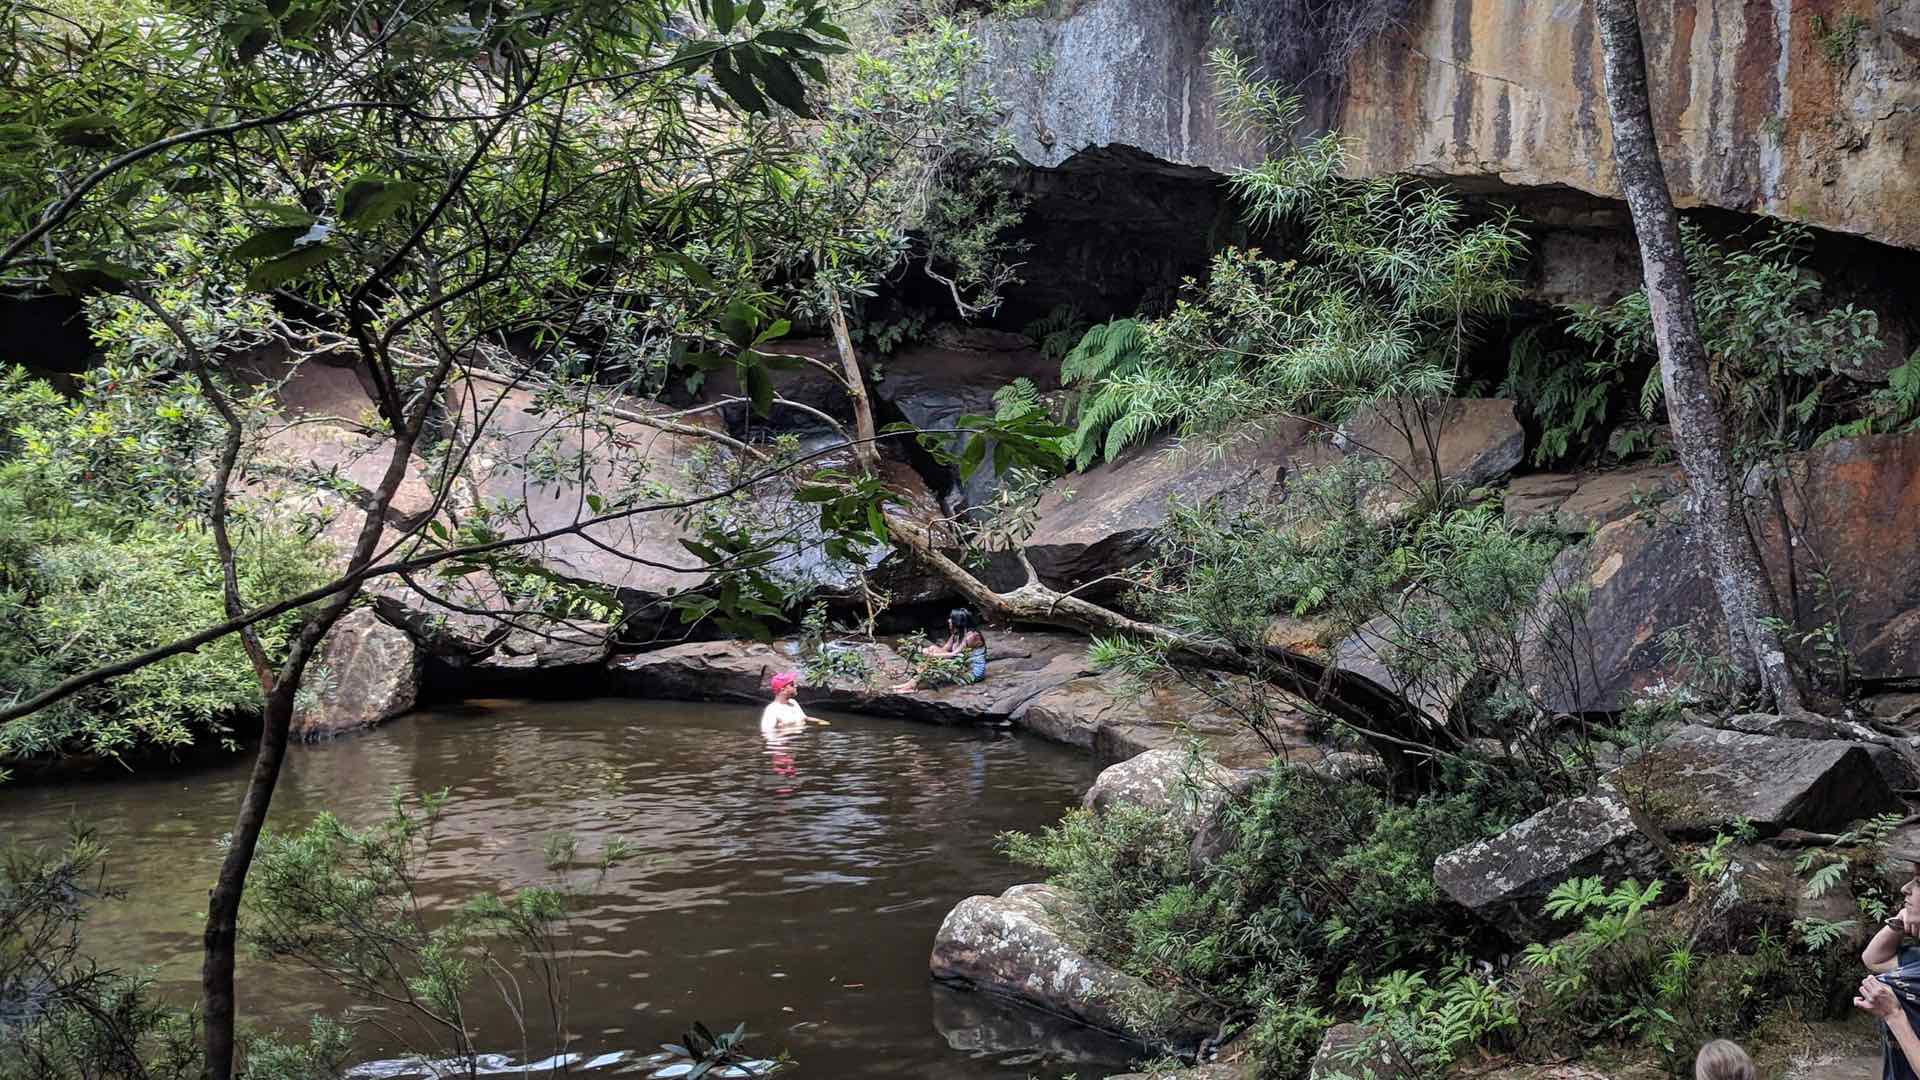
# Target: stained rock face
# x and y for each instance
(1752, 115)
(1641, 577)
(1019, 945)
(1701, 780)
(1505, 879)
(372, 674)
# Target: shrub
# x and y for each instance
(1324, 881)
(101, 557)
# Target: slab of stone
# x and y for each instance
(1101, 521)
(1701, 780)
(371, 673)
(1575, 504)
(1505, 879)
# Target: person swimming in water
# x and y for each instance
(964, 640)
(784, 713)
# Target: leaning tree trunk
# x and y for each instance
(1699, 432)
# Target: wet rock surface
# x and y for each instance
(1039, 682)
(1701, 780)
(1504, 879)
(371, 673)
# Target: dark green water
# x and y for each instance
(795, 885)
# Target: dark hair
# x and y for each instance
(962, 620)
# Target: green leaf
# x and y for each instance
(876, 521)
(756, 10)
(972, 456)
(738, 323)
(759, 387)
(283, 212)
(777, 330)
(279, 271)
(778, 78)
(90, 130)
(737, 86)
(695, 272)
(90, 276)
(787, 39)
(17, 135)
(269, 242)
(694, 55)
(370, 200)
(724, 16)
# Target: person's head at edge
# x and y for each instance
(1723, 1060)
(784, 684)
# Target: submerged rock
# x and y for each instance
(370, 672)
(1019, 945)
(1702, 780)
(1506, 878)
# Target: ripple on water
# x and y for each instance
(827, 859)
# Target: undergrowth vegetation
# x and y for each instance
(101, 555)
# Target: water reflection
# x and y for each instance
(793, 881)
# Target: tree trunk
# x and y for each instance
(1699, 432)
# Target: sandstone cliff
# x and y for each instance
(1758, 113)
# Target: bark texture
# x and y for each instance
(1699, 433)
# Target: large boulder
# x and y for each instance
(1506, 878)
(1103, 520)
(1640, 577)
(369, 672)
(319, 458)
(542, 471)
(1169, 781)
(1702, 780)
(1117, 723)
(1020, 945)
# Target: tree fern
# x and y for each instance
(1096, 368)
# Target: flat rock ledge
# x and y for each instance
(1036, 682)
(1019, 945)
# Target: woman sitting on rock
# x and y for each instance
(1892, 993)
(964, 642)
